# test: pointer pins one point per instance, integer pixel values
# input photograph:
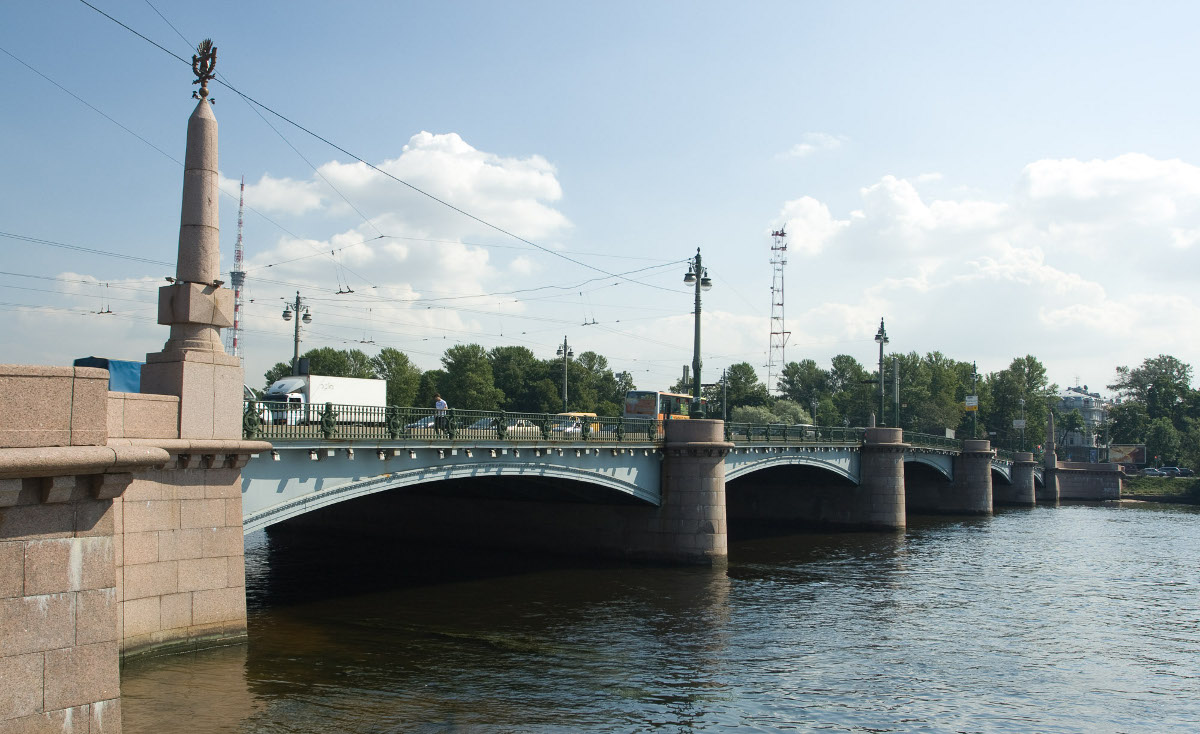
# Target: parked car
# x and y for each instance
(1185, 472)
(1169, 471)
(1152, 472)
(425, 423)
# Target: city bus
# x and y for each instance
(657, 405)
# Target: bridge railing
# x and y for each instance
(274, 420)
(931, 441)
(741, 433)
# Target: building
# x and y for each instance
(1083, 445)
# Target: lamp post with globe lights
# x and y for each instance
(302, 314)
(697, 275)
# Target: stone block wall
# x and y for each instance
(179, 553)
(58, 612)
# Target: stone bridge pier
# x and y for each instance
(1022, 491)
(968, 493)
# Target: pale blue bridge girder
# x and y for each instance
(304, 474)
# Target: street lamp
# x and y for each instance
(298, 308)
(697, 275)
(566, 353)
(975, 392)
(1022, 402)
(881, 338)
(813, 402)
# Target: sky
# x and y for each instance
(993, 180)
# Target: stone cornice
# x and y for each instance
(76, 460)
(198, 446)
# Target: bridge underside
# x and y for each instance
(796, 497)
(546, 515)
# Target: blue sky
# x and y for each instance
(994, 181)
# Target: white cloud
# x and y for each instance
(812, 143)
(1088, 265)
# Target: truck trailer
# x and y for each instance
(300, 399)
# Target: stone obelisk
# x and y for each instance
(193, 364)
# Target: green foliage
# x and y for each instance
(803, 382)
(279, 371)
(403, 377)
(469, 383)
(429, 386)
(1162, 384)
(1162, 442)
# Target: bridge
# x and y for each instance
(607, 485)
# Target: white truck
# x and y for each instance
(300, 399)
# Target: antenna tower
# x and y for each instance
(779, 334)
(237, 277)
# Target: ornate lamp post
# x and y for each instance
(697, 275)
(566, 353)
(302, 314)
(1022, 402)
(881, 338)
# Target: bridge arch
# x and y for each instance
(941, 463)
(740, 469)
(1004, 471)
(351, 488)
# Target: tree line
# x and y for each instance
(1156, 404)
(932, 396)
(1158, 407)
(473, 378)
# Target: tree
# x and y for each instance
(1162, 384)
(329, 362)
(468, 383)
(519, 374)
(1070, 423)
(1162, 442)
(1129, 422)
(340, 363)
(429, 386)
(852, 390)
(278, 372)
(803, 382)
(743, 386)
(403, 377)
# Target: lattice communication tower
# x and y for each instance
(779, 332)
(237, 277)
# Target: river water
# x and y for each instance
(1081, 618)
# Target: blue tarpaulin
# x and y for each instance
(122, 376)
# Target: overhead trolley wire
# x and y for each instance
(377, 169)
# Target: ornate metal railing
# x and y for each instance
(931, 441)
(282, 421)
(1006, 455)
(741, 433)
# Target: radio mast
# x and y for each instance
(779, 333)
(237, 277)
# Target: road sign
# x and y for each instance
(1019, 423)
(972, 402)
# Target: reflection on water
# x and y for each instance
(1080, 618)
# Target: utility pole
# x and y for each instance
(566, 353)
(896, 391)
(779, 333)
(237, 277)
(881, 338)
(725, 394)
(975, 392)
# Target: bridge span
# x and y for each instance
(639, 489)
